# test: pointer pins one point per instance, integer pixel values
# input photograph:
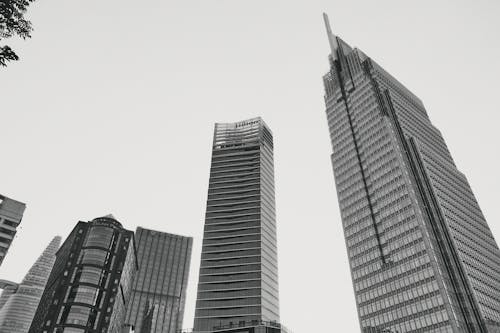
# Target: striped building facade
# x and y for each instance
(11, 214)
(19, 302)
(238, 282)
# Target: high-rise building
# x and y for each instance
(18, 302)
(90, 283)
(238, 281)
(11, 214)
(422, 256)
(156, 304)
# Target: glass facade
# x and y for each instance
(239, 271)
(156, 304)
(19, 302)
(91, 280)
(421, 254)
(254, 326)
(11, 214)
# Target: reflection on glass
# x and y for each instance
(99, 236)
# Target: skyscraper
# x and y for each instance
(422, 256)
(19, 303)
(90, 282)
(156, 304)
(238, 283)
(11, 213)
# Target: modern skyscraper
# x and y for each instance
(11, 213)
(422, 256)
(19, 302)
(156, 304)
(90, 282)
(238, 282)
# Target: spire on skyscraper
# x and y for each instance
(332, 38)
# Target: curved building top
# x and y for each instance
(108, 220)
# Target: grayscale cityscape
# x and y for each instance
(172, 173)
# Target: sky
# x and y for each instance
(112, 105)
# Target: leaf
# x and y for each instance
(12, 22)
(6, 54)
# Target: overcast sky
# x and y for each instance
(112, 105)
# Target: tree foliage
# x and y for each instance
(13, 23)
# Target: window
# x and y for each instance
(9, 223)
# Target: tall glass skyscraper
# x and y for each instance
(11, 214)
(90, 283)
(19, 303)
(238, 284)
(156, 304)
(422, 256)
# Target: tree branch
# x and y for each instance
(6, 54)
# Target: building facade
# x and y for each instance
(422, 256)
(91, 280)
(156, 304)
(18, 302)
(8, 288)
(254, 326)
(238, 280)
(11, 214)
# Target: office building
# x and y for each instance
(156, 304)
(19, 302)
(422, 256)
(238, 280)
(11, 214)
(91, 280)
